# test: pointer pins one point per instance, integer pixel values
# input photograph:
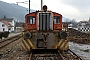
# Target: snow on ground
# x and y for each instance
(81, 50)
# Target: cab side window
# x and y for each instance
(56, 19)
(31, 19)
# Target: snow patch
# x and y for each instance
(81, 50)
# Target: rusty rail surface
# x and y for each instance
(30, 56)
(68, 55)
(45, 57)
(44, 54)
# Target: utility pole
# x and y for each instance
(29, 6)
(41, 4)
(25, 3)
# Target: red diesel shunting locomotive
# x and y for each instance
(43, 30)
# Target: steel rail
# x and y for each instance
(52, 56)
(74, 54)
(10, 41)
(3, 40)
(61, 56)
(30, 56)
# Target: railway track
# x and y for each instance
(46, 56)
(69, 55)
(9, 40)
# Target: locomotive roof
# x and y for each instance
(6, 23)
(41, 11)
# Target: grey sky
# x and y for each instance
(82, 6)
(79, 4)
(77, 9)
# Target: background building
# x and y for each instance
(18, 26)
(11, 21)
(83, 26)
(5, 26)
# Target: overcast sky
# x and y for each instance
(73, 9)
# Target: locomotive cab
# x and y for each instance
(44, 20)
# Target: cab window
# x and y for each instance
(57, 19)
(31, 20)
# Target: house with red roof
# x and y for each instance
(11, 21)
(5, 26)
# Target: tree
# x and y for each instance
(73, 21)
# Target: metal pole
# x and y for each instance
(29, 6)
(41, 4)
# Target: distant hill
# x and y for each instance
(17, 12)
(13, 11)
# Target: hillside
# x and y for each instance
(13, 11)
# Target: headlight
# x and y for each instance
(27, 35)
(63, 35)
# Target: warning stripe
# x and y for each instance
(63, 44)
(59, 43)
(61, 47)
(26, 44)
(31, 43)
(66, 46)
(24, 47)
